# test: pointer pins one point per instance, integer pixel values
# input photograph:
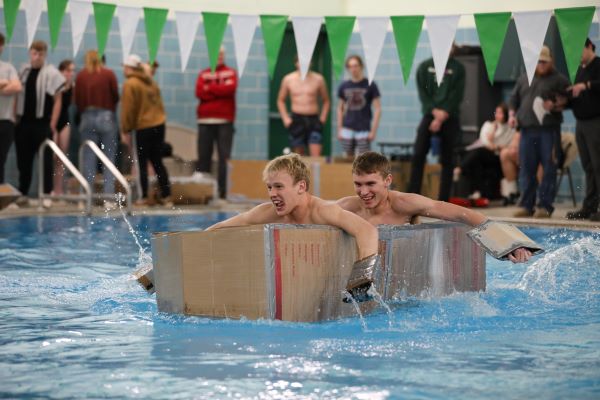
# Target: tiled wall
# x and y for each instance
(401, 107)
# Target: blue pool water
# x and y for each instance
(73, 325)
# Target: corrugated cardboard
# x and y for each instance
(299, 272)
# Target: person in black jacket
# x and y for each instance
(586, 107)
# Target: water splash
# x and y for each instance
(348, 296)
(375, 294)
(143, 257)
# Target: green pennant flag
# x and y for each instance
(273, 28)
(154, 19)
(56, 11)
(407, 30)
(339, 30)
(491, 29)
(574, 26)
(103, 14)
(214, 29)
(11, 9)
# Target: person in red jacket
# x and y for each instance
(216, 113)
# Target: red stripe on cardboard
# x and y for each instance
(277, 274)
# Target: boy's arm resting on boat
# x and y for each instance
(261, 214)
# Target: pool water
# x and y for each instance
(73, 325)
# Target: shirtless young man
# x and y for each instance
(377, 204)
(305, 124)
(288, 181)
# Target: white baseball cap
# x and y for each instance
(133, 61)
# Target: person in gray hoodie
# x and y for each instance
(537, 108)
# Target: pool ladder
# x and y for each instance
(87, 194)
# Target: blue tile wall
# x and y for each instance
(401, 107)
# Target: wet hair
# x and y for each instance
(371, 162)
(92, 61)
(64, 64)
(1, 39)
(589, 43)
(39, 45)
(504, 108)
(354, 57)
(292, 164)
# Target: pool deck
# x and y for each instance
(498, 213)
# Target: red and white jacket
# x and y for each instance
(216, 92)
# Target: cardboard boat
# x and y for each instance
(299, 272)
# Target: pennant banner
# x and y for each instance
(128, 22)
(531, 29)
(306, 32)
(574, 26)
(242, 28)
(79, 12)
(372, 34)
(154, 19)
(56, 12)
(33, 12)
(339, 31)
(407, 30)
(11, 9)
(273, 28)
(187, 27)
(103, 14)
(491, 29)
(442, 30)
(214, 29)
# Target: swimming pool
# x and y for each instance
(72, 325)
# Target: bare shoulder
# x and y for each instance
(409, 203)
(262, 214)
(349, 203)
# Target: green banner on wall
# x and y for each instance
(339, 31)
(214, 29)
(11, 9)
(574, 26)
(491, 29)
(273, 28)
(154, 19)
(103, 15)
(56, 12)
(407, 30)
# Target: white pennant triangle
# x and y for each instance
(128, 22)
(531, 29)
(187, 26)
(33, 11)
(306, 32)
(372, 34)
(441, 30)
(80, 12)
(242, 28)
(598, 13)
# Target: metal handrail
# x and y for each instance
(111, 167)
(69, 165)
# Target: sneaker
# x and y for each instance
(166, 202)
(542, 213)
(523, 212)
(46, 203)
(579, 214)
(22, 201)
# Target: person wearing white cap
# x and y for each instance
(537, 109)
(142, 111)
(96, 94)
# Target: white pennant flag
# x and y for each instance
(531, 29)
(187, 26)
(372, 34)
(33, 11)
(80, 12)
(242, 28)
(306, 32)
(441, 30)
(128, 22)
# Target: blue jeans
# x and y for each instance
(538, 146)
(99, 126)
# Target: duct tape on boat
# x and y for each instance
(500, 240)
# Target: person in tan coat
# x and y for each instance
(142, 111)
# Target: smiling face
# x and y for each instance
(371, 189)
(283, 192)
